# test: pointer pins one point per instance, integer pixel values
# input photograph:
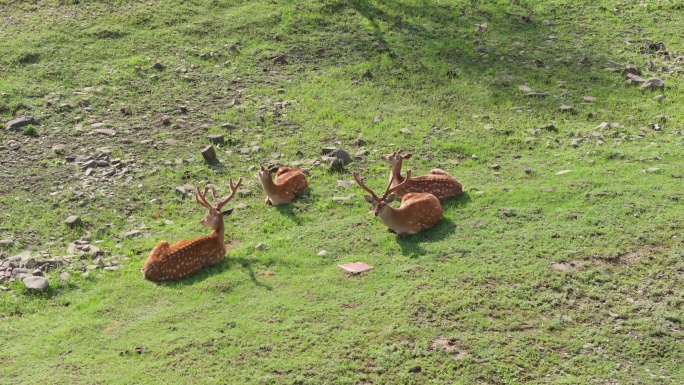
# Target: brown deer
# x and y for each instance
(288, 183)
(168, 262)
(418, 211)
(438, 182)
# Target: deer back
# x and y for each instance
(438, 183)
(168, 262)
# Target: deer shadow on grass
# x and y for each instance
(218, 268)
(411, 244)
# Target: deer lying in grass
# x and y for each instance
(418, 211)
(288, 183)
(168, 262)
(438, 182)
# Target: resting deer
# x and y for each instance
(438, 182)
(288, 183)
(418, 211)
(168, 262)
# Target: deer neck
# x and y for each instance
(389, 216)
(218, 231)
(269, 186)
(395, 174)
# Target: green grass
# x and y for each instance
(483, 279)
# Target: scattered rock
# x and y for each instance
(130, 234)
(658, 98)
(405, 130)
(216, 138)
(377, 119)
(495, 166)
(565, 108)
(589, 99)
(525, 88)
(19, 123)
(209, 154)
(72, 220)
(126, 110)
(537, 94)
(6, 243)
(653, 83)
(35, 283)
(342, 199)
(245, 192)
(157, 66)
(328, 150)
(322, 253)
(528, 170)
(280, 59)
(342, 155)
(344, 184)
(563, 172)
(105, 131)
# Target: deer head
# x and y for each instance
(215, 216)
(380, 203)
(396, 157)
(266, 172)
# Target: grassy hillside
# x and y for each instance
(561, 263)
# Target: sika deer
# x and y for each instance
(438, 182)
(418, 211)
(168, 262)
(288, 183)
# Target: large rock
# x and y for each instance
(20, 122)
(35, 283)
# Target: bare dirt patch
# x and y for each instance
(449, 345)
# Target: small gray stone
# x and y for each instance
(157, 66)
(20, 122)
(528, 170)
(342, 199)
(6, 243)
(71, 220)
(328, 150)
(209, 154)
(245, 192)
(37, 273)
(64, 276)
(322, 253)
(342, 155)
(215, 138)
(244, 151)
(259, 246)
(130, 234)
(241, 205)
(256, 149)
(344, 184)
(105, 131)
(405, 130)
(495, 166)
(35, 283)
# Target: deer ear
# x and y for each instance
(368, 198)
(273, 170)
(390, 198)
(227, 212)
(407, 156)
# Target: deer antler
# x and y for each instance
(233, 189)
(201, 198)
(389, 190)
(363, 185)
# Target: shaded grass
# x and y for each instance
(281, 313)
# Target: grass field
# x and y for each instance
(562, 262)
